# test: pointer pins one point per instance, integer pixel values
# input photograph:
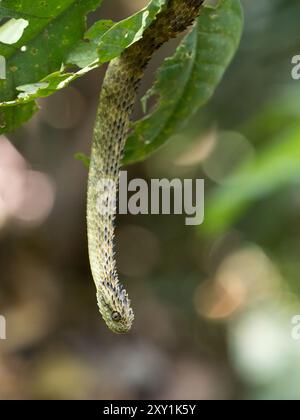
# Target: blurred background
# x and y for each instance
(214, 304)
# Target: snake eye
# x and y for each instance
(116, 316)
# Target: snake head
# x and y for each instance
(114, 306)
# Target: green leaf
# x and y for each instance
(128, 31)
(103, 41)
(34, 43)
(13, 118)
(187, 81)
(83, 158)
(106, 40)
(277, 165)
(87, 51)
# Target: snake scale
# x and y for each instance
(117, 99)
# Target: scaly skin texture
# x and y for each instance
(117, 99)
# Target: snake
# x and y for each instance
(117, 99)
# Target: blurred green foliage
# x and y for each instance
(214, 304)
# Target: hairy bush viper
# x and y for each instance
(117, 98)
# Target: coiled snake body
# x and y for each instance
(116, 103)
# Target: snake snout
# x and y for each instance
(115, 308)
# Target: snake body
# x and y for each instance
(117, 99)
